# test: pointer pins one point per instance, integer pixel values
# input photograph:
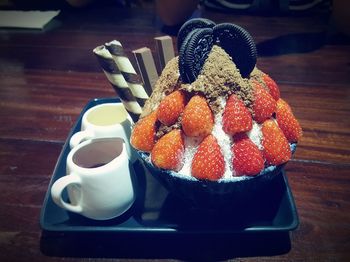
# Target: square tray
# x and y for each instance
(155, 211)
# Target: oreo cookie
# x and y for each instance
(193, 53)
(239, 44)
(189, 26)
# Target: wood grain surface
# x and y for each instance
(47, 77)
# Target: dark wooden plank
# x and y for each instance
(322, 198)
(27, 158)
(323, 113)
(52, 101)
(26, 168)
(291, 68)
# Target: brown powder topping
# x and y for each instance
(218, 78)
(163, 129)
(166, 83)
(257, 75)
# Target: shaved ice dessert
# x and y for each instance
(215, 124)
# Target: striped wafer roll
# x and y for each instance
(118, 82)
(127, 70)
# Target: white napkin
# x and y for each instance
(26, 19)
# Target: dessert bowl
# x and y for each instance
(215, 128)
(207, 193)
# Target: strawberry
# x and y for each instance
(168, 151)
(276, 148)
(284, 104)
(143, 133)
(236, 117)
(247, 158)
(287, 122)
(197, 118)
(272, 86)
(171, 107)
(263, 105)
(208, 162)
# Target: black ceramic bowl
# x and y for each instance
(212, 193)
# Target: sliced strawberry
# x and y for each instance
(197, 118)
(168, 151)
(276, 148)
(208, 162)
(287, 122)
(171, 107)
(247, 158)
(272, 86)
(236, 117)
(143, 133)
(263, 105)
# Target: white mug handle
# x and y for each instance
(57, 189)
(80, 136)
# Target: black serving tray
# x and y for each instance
(156, 211)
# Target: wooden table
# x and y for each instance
(46, 78)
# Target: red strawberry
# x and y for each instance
(208, 162)
(263, 105)
(283, 103)
(143, 133)
(276, 148)
(287, 122)
(171, 107)
(197, 118)
(272, 86)
(236, 117)
(247, 158)
(168, 151)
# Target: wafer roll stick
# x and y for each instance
(147, 68)
(165, 50)
(118, 82)
(128, 71)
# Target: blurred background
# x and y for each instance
(172, 13)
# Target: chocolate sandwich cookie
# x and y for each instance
(189, 26)
(239, 44)
(193, 53)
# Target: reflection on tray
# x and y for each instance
(268, 208)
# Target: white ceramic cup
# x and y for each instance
(98, 180)
(105, 120)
